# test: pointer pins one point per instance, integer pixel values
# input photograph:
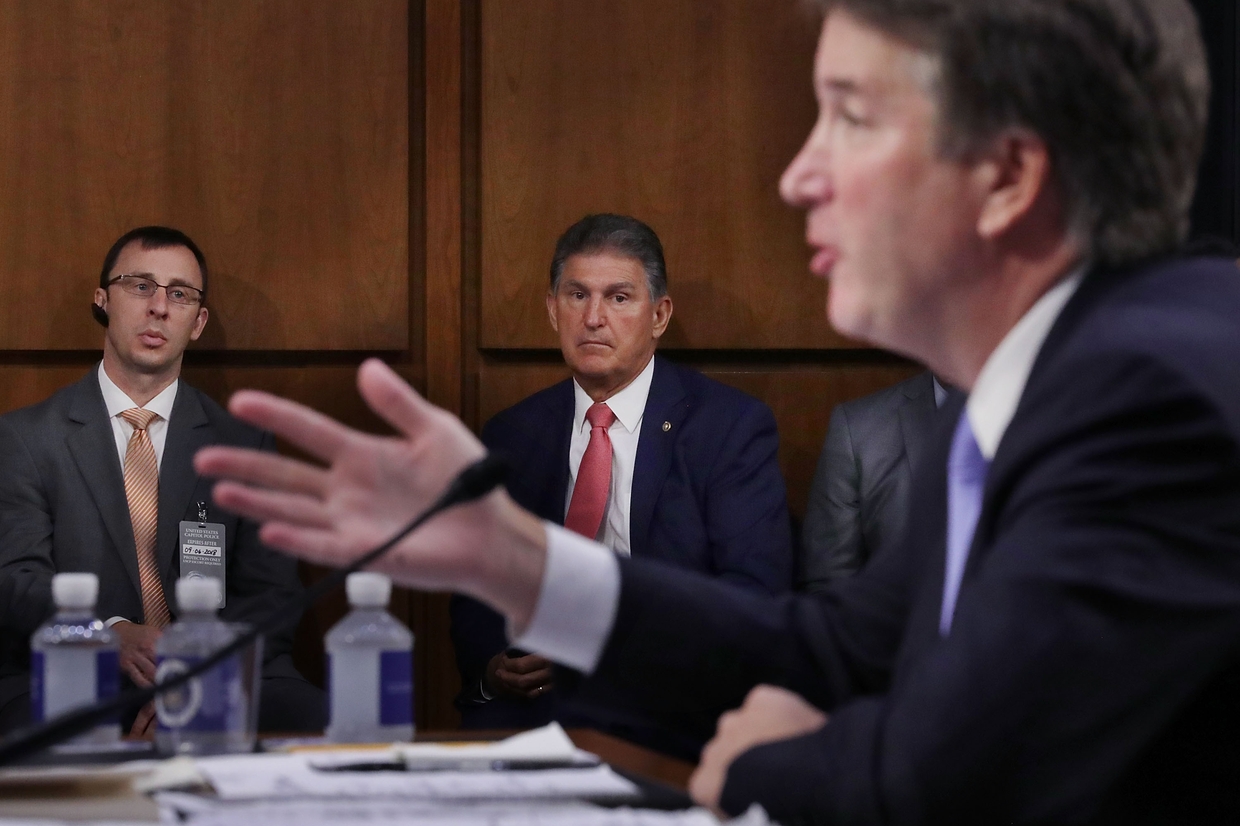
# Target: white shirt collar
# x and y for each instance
(628, 405)
(116, 400)
(1001, 382)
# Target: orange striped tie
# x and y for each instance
(142, 491)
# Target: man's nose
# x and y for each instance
(595, 315)
(807, 180)
(157, 304)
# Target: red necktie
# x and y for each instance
(585, 509)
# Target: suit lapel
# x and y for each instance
(666, 403)
(93, 447)
(188, 430)
(915, 415)
(1095, 286)
(565, 408)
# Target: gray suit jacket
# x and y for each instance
(859, 497)
(63, 508)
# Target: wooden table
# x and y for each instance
(110, 798)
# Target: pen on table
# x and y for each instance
(458, 765)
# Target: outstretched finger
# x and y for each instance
(308, 429)
(272, 505)
(260, 467)
(391, 397)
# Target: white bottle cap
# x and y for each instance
(75, 590)
(368, 590)
(199, 593)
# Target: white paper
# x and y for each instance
(253, 777)
(205, 812)
(547, 743)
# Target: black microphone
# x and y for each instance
(473, 482)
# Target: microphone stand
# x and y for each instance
(471, 483)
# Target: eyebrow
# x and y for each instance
(573, 284)
(175, 282)
(839, 87)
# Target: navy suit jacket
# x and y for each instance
(707, 496)
(1092, 672)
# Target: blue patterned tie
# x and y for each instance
(966, 477)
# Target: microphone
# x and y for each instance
(472, 483)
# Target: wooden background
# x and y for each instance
(389, 177)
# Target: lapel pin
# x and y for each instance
(667, 426)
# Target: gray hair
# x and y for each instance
(616, 234)
(1117, 89)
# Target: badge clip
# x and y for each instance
(202, 514)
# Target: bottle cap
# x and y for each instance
(368, 590)
(199, 593)
(75, 590)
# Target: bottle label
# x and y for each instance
(36, 686)
(395, 688)
(107, 674)
(71, 687)
(211, 702)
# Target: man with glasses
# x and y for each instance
(98, 478)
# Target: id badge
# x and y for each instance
(202, 549)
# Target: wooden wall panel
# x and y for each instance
(275, 132)
(682, 114)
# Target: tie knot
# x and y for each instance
(138, 417)
(600, 415)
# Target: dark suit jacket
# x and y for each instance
(708, 496)
(859, 497)
(63, 508)
(1092, 672)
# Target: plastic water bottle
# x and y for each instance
(74, 659)
(370, 668)
(214, 712)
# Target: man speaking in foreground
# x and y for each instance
(996, 188)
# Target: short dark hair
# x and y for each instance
(619, 235)
(1118, 90)
(153, 238)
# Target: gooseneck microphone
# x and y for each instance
(471, 483)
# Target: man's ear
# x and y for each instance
(1013, 175)
(662, 315)
(551, 311)
(99, 307)
(199, 323)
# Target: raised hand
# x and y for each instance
(370, 486)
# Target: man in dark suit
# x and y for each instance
(859, 498)
(694, 479)
(70, 468)
(998, 189)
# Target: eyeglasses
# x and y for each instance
(146, 287)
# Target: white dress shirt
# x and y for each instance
(629, 405)
(581, 581)
(115, 400)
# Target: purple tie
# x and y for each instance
(966, 477)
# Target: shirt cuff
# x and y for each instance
(577, 603)
(110, 621)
